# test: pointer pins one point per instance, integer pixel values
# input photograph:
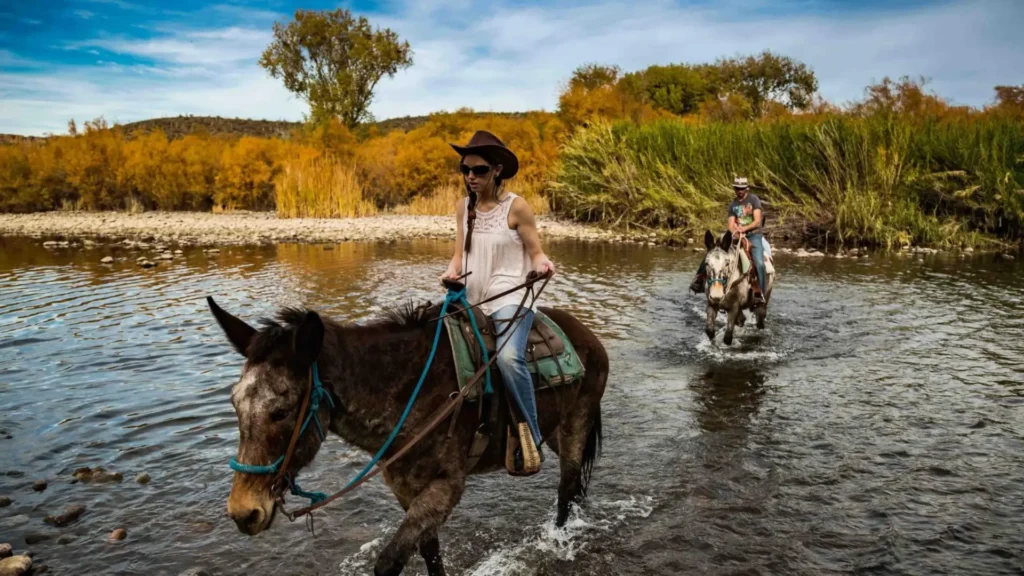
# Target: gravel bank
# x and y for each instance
(208, 229)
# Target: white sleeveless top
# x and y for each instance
(497, 259)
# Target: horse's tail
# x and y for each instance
(591, 451)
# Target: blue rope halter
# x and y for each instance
(319, 392)
(316, 395)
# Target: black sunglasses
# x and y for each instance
(480, 170)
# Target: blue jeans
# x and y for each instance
(512, 363)
(756, 254)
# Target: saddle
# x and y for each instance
(550, 356)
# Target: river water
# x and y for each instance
(876, 425)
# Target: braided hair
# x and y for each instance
(471, 207)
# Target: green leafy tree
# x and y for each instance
(334, 61)
(769, 77)
(677, 88)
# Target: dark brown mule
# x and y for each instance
(370, 372)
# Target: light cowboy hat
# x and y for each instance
(740, 184)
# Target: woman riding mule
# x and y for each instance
(305, 376)
(498, 245)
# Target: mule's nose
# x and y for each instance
(249, 521)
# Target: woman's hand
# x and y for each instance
(543, 265)
(450, 274)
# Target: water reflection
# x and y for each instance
(879, 412)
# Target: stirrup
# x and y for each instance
(521, 455)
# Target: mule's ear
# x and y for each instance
(238, 332)
(308, 340)
(726, 240)
(709, 240)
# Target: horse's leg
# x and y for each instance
(426, 513)
(741, 319)
(430, 547)
(731, 323)
(573, 433)
(430, 550)
(709, 328)
(762, 311)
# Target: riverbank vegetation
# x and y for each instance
(648, 150)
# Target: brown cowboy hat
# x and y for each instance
(487, 146)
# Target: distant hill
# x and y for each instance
(179, 126)
(15, 138)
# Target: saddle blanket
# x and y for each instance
(550, 356)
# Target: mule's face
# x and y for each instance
(719, 272)
(268, 399)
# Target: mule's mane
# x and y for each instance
(278, 330)
(274, 331)
(410, 315)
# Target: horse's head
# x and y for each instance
(722, 266)
(268, 399)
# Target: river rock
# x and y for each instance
(178, 252)
(202, 527)
(146, 264)
(5, 502)
(6, 551)
(37, 537)
(40, 569)
(97, 475)
(15, 566)
(118, 535)
(66, 539)
(107, 260)
(70, 515)
(143, 478)
(39, 485)
(165, 256)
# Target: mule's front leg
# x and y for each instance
(427, 512)
(709, 327)
(730, 324)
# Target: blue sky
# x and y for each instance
(129, 60)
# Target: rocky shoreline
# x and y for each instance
(250, 228)
(160, 230)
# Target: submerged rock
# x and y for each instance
(66, 539)
(70, 515)
(195, 572)
(15, 566)
(5, 502)
(118, 535)
(97, 475)
(107, 260)
(39, 485)
(36, 538)
(143, 478)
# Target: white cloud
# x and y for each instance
(516, 58)
(83, 14)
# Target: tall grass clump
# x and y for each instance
(880, 179)
(320, 187)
